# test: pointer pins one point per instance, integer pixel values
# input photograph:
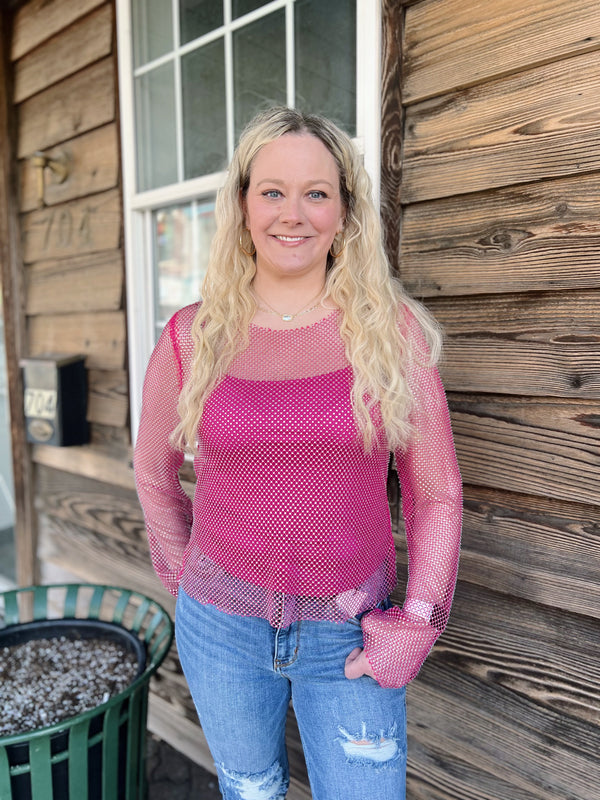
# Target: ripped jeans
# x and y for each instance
(242, 673)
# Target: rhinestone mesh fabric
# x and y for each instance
(290, 518)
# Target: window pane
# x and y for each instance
(258, 67)
(204, 114)
(198, 17)
(204, 230)
(152, 29)
(155, 126)
(325, 35)
(182, 236)
(240, 7)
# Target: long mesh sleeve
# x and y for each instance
(397, 641)
(167, 509)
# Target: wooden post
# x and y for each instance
(392, 122)
(13, 309)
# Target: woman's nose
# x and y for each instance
(291, 210)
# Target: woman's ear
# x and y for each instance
(244, 207)
(343, 218)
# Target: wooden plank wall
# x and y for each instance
(500, 235)
(65, 92)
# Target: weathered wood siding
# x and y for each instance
(66, 97)
(497, 194)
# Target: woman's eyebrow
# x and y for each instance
(279, 182)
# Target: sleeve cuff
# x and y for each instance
(419, 608)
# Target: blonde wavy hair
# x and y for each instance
(359, 282)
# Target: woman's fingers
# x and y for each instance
(357, 664)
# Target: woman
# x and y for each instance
(302, 369)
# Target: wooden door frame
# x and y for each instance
(13, 305)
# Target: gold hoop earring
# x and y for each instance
(243, 249)
(340, 251)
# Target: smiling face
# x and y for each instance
(293, 206)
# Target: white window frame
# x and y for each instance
(139, 206)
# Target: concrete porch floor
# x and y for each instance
(173, 776)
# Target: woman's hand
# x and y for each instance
(357, 665)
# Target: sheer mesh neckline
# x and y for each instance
(291, 353)
(333, 313)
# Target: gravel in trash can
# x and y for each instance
(45, 681)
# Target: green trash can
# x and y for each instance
(98, 754)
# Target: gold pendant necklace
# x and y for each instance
(288, 317)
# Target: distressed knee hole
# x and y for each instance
(373, 749)
(268, 785)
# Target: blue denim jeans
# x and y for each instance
(242, 673)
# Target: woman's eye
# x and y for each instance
(316, 195)
(272, 193)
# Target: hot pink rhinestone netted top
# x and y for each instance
(290, 519)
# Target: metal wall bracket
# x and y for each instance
(59, 167)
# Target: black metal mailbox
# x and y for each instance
(55, 400)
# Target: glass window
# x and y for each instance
(258, 67)
(198, 17)
(325, 39)
(182, 236)
(152, 30)
(204, 113)
(156, 129)
(241, 7)
(198, 82)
